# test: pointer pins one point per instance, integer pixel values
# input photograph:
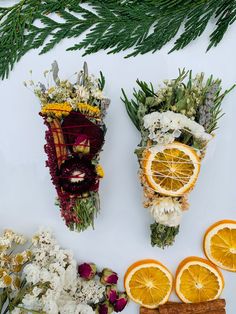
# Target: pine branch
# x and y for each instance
(112, 25)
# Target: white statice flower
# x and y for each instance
(31, 302)
(165, 127)
(17, 310)
(72, 307)
(89, 291)
(82, 93)
(32, 273)
(57, 286)
(166, 211)
(83, 309)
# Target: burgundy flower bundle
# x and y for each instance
(114, 300)
(74, 115)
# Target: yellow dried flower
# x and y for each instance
(17, 268)
(16, 282)
(2, 272)
(19, 259)
(3, 247)
(89, 110)
(9, 234)
(28, 255)
(56, 109)
(100, 171)
(7, 280)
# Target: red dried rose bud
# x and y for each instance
(82, 144)
(121, 302)
(75, 124)
(87, 271)
(108, 277)
(111, 293)
(104, 308)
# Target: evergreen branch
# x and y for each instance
(132, 109)
(112, 25)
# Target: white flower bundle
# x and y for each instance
(165, 127)
(53, 276)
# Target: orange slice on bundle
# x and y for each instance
(148, 283)
(198, 280)
(220, 244)
(172, 171)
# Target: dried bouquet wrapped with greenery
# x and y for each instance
(176, 123)
(74, 115)
(46, 279)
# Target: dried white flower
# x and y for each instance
(57, 287)
(82, 93)
(165, 127)
(97, 94)
(166, 211)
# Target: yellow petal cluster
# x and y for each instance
(58, 110)
(100, 171)
(89, 110)
(12, 263)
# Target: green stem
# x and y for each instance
(31, 311)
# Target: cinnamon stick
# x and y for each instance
(210, 307)
(217, 312)
(143, 310)
(197, 308)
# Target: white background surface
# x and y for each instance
(122, 229)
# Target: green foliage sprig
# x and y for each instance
(194, 97)
(163, 236)
(113, 25)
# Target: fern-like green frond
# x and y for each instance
(112, 25)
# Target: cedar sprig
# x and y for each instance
(113, 25)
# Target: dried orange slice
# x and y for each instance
(172, 171)
(198, 280)
(220, 244)
(148, 283)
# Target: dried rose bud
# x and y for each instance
(82, 144)
(111, 293)
(104, 308)
(121, 302)
(108, 277)
(87, 271)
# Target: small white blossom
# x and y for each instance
(166, 211)
(97, 94)
(165, 127)
(82, 93)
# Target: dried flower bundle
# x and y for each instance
(176, 123)
(73, 114)
(46, 279)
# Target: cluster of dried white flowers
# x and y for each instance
(53, 284)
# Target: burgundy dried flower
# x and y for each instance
(108, 277)
(87, 271)
(121, 302)
(76, 124)
(111, 293)
(77, 175)
(104, 308)
(82, 144)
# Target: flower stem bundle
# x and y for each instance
(74, 116)
(176, 123)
